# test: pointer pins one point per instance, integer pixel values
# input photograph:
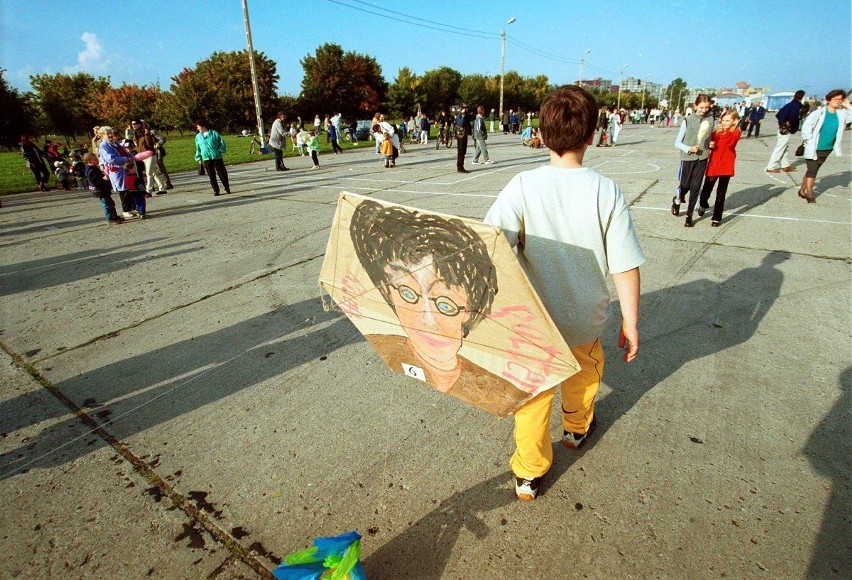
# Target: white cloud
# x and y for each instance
(92, 56)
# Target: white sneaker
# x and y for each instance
(477, 163)
(489, 163)
(127, 214)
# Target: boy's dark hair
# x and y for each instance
(834, 93)
(201, 122)
(569, 116)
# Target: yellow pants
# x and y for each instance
(534, 449)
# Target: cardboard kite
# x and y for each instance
(444, 300)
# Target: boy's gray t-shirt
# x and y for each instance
(572, 229)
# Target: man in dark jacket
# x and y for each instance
(755, 117)
(788, 124)
(463, 129)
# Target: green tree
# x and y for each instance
(15, 115)
(220, 90)
(675, 94)
(338, 82)
(533, 92)
(513, 85)
(440, 89)
(65, 101)
(404, 94)
(474, 91)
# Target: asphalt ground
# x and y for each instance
(178, 403)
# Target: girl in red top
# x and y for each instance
(720, 167)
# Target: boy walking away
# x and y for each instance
(100, 187)
(572, 229)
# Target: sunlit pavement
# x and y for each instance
(179, 402)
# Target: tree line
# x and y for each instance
(219, 89)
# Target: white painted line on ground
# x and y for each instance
(492, 196)
(752, 215)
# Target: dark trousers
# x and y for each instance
(214, 167)
(706, 190)
(279, 157)
(131, 200)
(108, 205)
(461, 144)
(126, 201)
(41, 173)
(315, 157)
(691, 174)
(335, 146)
(753, 126)
(161, 165)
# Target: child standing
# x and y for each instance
(313, 146)
(100, 187)
(62, 175)
(693, 141)
(572, 229)
(720, 167)
(387, 149)
(133, 185)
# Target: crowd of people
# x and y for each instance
(133, 163)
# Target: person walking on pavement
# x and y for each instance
(278, 141)
(788, 124)
(34, 159)
(463, 129)
(480, 134)
(822, 133)
(209, 148)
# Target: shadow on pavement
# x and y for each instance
(737, 306)
(57, 270)
(139, 392)
(828, 450)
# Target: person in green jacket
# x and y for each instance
(209, 148)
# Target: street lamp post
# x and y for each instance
(503, 62)
(254, 83)
(582, 62)
(620, 80)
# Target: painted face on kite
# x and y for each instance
(429, 310)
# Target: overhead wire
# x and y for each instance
(419, 22)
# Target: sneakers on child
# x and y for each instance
(576, 440)
(527, 488)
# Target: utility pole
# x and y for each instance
(254, 85)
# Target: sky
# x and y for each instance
(782, 44)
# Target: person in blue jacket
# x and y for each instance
(755, 117)
(788, 124)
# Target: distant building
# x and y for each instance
(598, 83)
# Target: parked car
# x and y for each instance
(363, 129)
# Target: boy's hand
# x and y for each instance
(628, 339)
